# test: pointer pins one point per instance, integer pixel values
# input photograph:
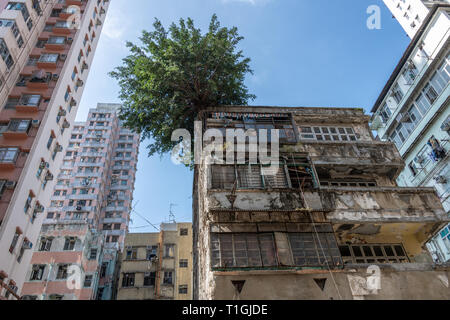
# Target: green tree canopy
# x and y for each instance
(173, 75)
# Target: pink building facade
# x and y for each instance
(46, 50)
(88, 219)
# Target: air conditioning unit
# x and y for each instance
(39, 209)
(27, 245)
(69, 40)
(79, 208)
(44, 165)
(59, 148)
(35, 123)
(420, 159)
(10, 184)
(99, 23)
(55, 77)
(73, 103)
(440, 179)
(80, 83)
(49, 176)
(63, 57)
(62, 113)
(66, 124)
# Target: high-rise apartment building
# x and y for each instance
(413, 111)
(412, 13)
(157, 266)
(46, 48)
(88, 218)
(323, 219)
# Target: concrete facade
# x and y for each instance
(157, 266)
(413, 111)
(94, 190)
(329, 223)
(41, 87)
(411, 13)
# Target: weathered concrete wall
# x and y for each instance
(405, 285)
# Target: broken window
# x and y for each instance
(301, 172)
(373, 253)
(169, 251)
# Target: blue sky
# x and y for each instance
(304, 53)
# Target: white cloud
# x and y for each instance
(115, 25)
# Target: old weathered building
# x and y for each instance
(330, 224)
(157, 266)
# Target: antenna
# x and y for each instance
(171, 214)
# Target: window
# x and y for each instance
(50, 140)
(253, 250)
(385, 113)
(93, 254)
(183, 289)
(374, 253)
(49, 57)
(45, 244)
(183, 263)
(183, 232)
(169, 250)
(103, 269)
(149, 279)
(168, 277)
(17, 125)
(37, 272)
(28, 202)
(348, 183)
(5, 54)
(152, 252)
(87, 281)
(128, 280)
(397, 94)
(8, 155)
(14, 240)
(62, 272)
(132, 254)
(69, 244)
(328, 133)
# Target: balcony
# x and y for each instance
(39, 80)
(341, 204)
(372, 157)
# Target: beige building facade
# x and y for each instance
(329, 223)
(157, 266)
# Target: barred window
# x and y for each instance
(311, 249)
(374, 253)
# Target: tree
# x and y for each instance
(174, 75)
